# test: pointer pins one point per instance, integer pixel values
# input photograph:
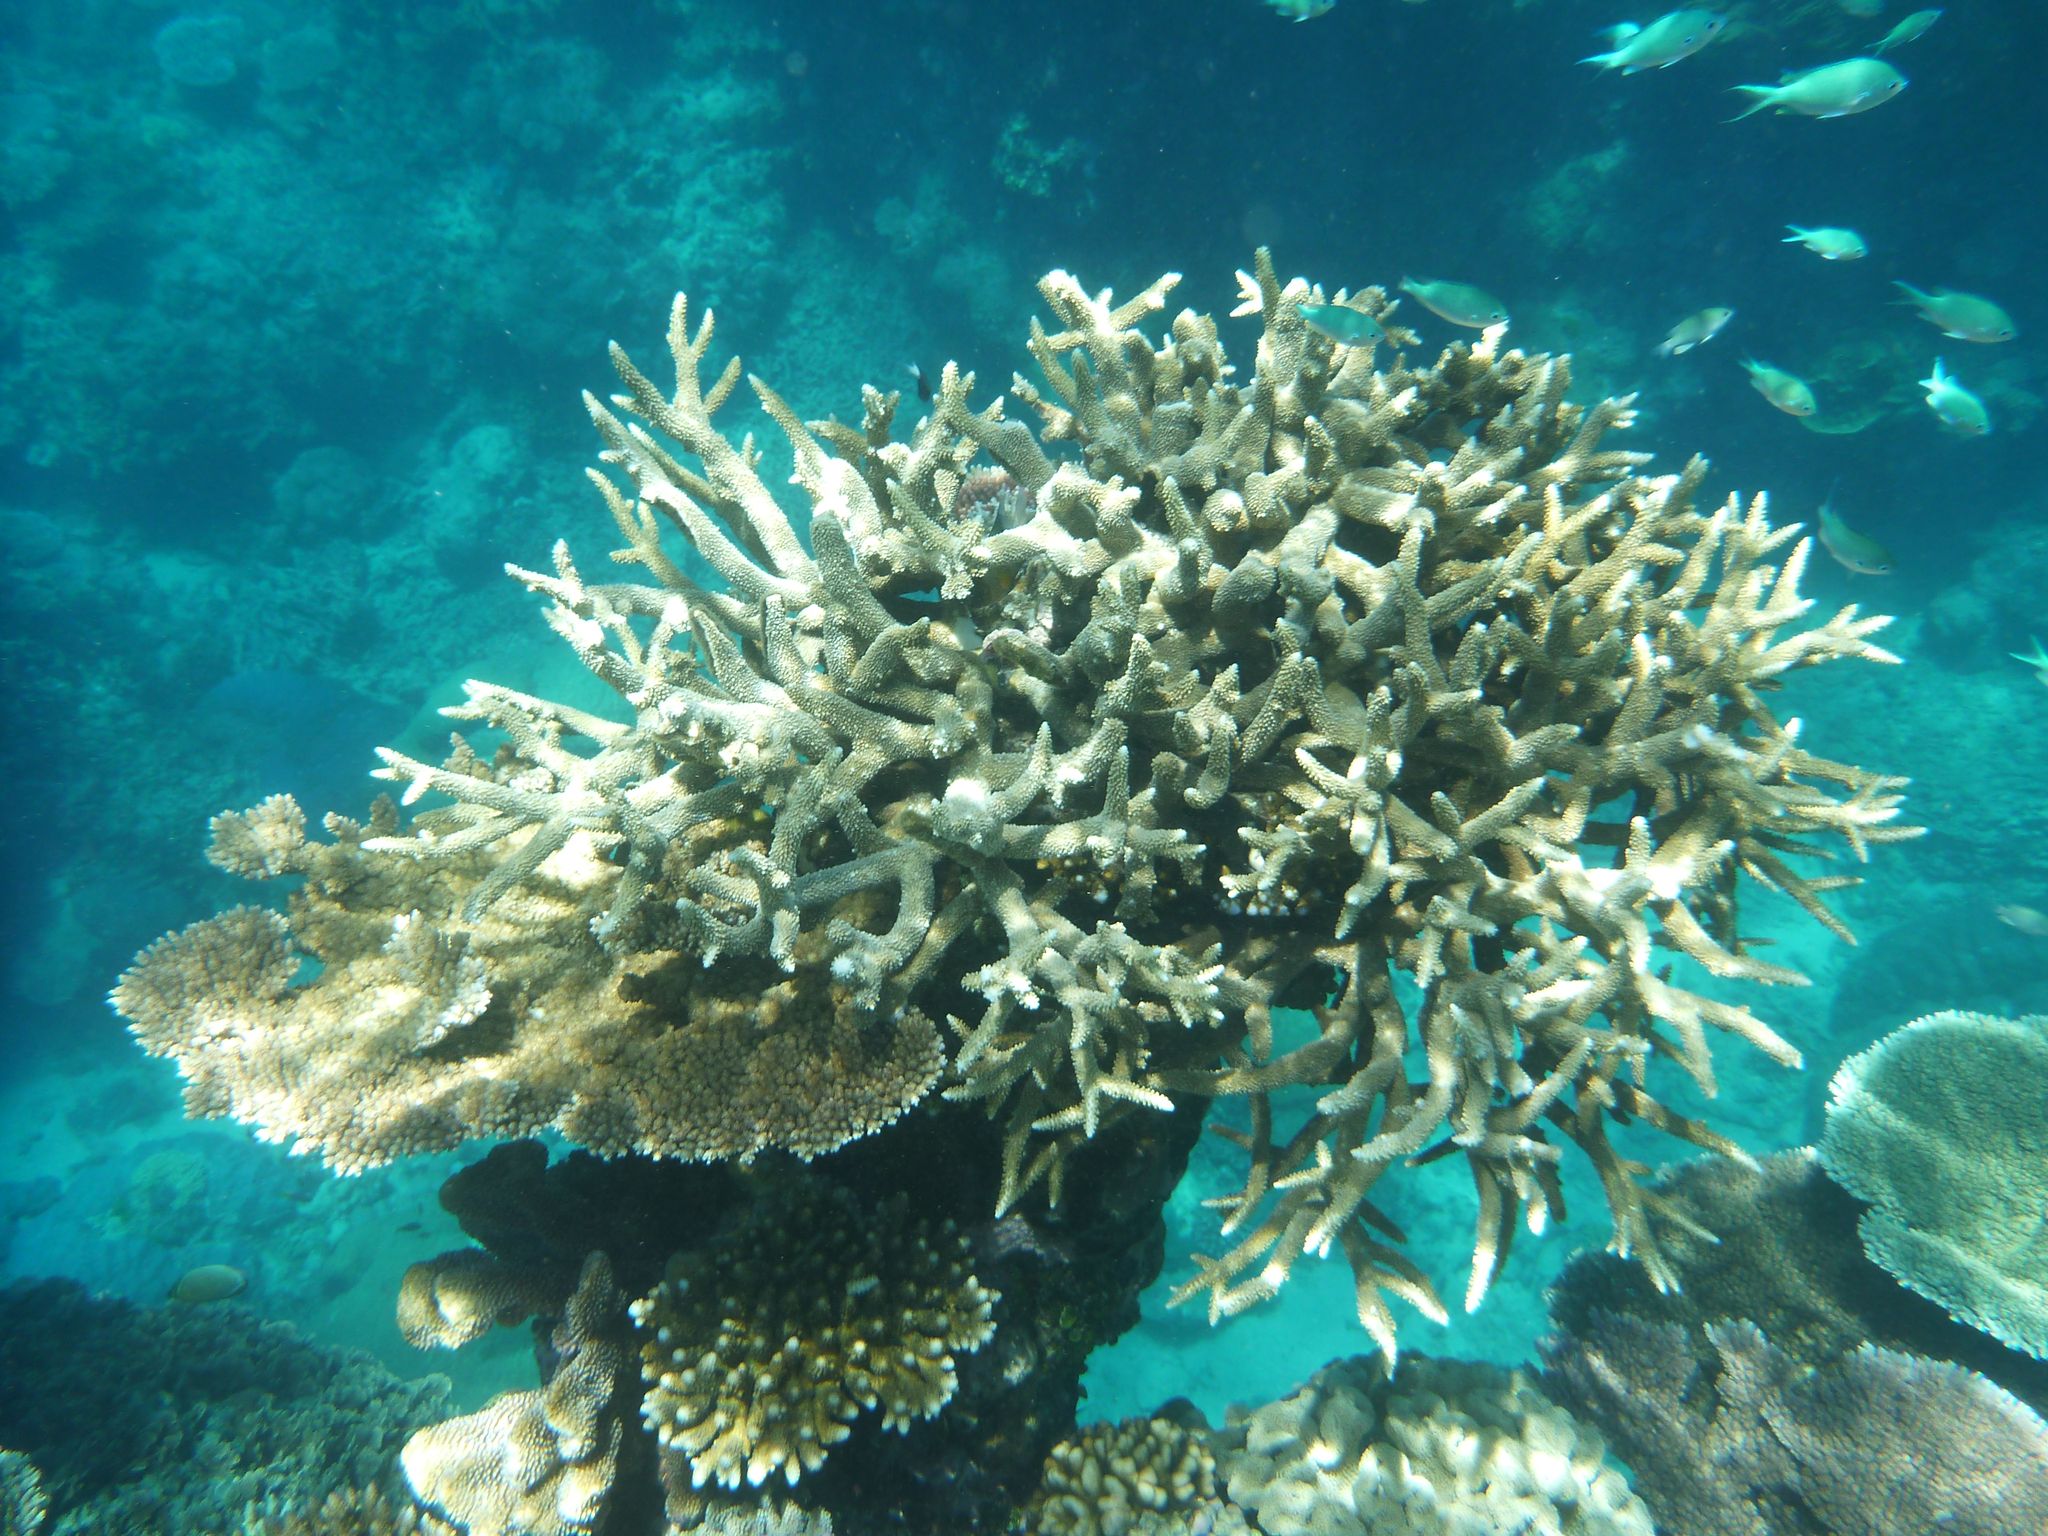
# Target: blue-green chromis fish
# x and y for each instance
(1788, 392)
(1857, 553)
(1828, 243)
(1694, 330)
(1662, 43)
(1909, 29)
(1459, 303)
(1958, 410)
(1303, 10)
(1965, 316)
(1346, 326)
(1833, 90)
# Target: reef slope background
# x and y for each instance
(291, 364)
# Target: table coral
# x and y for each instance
(1215, 696)
(1942, 1126)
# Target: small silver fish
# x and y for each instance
(2028, 920)
(1833, 90)
(1788, 392)
(1965, 316)
(1909, 29)
(1344, 325)
(1303, 10)
(1661, 44)
(1856, 553)
(1828, 242)
(1459, 303)
(1959, 409)
(1694, 330)
(2037, 659)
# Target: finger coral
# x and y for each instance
(1046, 762)
(1942, 1127)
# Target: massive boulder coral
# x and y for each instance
(1051, 763)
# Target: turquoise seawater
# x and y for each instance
(298, 303)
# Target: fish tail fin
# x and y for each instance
(1795, 237)
(1604, 60)
(1766, 95)
(1619, 33)
(1912, 295)
(1671, 348)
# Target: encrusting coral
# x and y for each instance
(1094, 744)
(1942, 1127)
(761, 1349)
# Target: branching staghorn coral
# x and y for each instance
(1097, 742)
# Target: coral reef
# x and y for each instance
(760, 1350)
(1249, 695)
(1776, 1244)
(1941, 1127)
(1440, 1446)
(350, 1512)
(1740, 1439)
(1141, 1477)
(181, 1419)
(1790, 1385)
(541, 1462)
(23, 1504)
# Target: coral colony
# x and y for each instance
(1352, 746)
